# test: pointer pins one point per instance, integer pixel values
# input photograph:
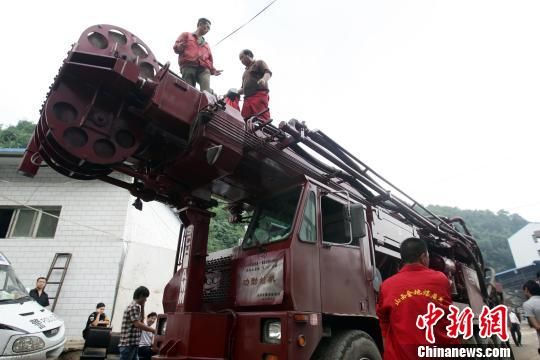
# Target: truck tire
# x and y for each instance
(348, 345)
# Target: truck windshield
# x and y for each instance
(272, 220)
(10, 286)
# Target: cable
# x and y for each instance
(162, 221)
(250, 20)
(71, 221)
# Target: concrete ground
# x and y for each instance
(70, 355)
(72, 350)
(529, 340)
(528, 351)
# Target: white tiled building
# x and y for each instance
(525, 245)
(114, 247)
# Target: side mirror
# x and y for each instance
(357, 222)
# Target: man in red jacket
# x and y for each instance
(406, 296)
(194, 56)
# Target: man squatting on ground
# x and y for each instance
(194, 56)
(96, 318)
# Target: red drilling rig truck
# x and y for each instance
(324, 229)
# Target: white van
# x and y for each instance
(27, 330)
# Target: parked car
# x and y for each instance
(27, 330)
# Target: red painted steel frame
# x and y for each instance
(112, 107)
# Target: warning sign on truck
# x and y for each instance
(260, 279)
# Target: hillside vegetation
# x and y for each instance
(490, 230)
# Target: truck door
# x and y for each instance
(305, 274)
(345, 285)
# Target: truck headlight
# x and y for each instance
(27, 344)
(271, 331)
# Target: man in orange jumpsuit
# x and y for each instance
(405, 296)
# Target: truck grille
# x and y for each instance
(217, 286)
(52, 332)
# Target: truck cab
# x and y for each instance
(304, 273)
(27, 330)
(303, 281)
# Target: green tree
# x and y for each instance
(16, 136)
(490, 230)
(223, 235)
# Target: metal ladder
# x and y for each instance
(56, 275)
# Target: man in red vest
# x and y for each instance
(194, 56)
(406, 296)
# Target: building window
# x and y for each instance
(334, 222)
(26, 222)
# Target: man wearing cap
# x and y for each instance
(194, 56)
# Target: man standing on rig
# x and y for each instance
(194, 56)
(255, 87)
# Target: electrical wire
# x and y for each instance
(71, 221)
(250, 20)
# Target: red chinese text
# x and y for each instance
(429, 320)
(494, 321)
(460, 323)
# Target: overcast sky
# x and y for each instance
(441, 97)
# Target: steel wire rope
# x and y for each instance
(162, 221)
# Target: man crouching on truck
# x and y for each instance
(404, 296)
(132, 324)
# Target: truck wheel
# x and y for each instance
(348, 345)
